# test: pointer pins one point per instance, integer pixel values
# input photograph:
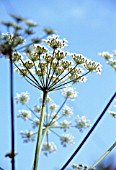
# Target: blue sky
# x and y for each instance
(89, 26)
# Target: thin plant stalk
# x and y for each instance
(89, 133)
(39, 136)
(103, 156)
(12, 115)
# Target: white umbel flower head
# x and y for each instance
(27, 135)
(93, 66)
(66, 139)
(82, 123)
(24, 114)
(22, 97)
(69, 93)
(37, 108)
(67, 111)
(54, 42)
(65, 125)
(35, 123)
(106, 55)
(48, 148)
(53, 107)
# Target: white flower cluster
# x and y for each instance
(54, 42)
(24, 114)
(37, 108)
(69, 93)
(10, 39)
(111, 58)
(53, 107)
(92, 66)
(54, 69)
(52, 120)
(65, 125)
(67, 139)
(67, 111)
(82, 123)
(106, 55)
(22, 97)
(48, 148)
(36, 123)
(27, 135)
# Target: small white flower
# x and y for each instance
(79, 58)
(66, 139)
(106, 55)
(53, 107)
(54, 42)
(48, 148)
(24, 114)
(59, 54)
(82, 123)
(22, 97)
(36, 122)
(27, 135)
(93, 66)
(40, 49)
(67, 111)
(65, 125)
(69, 93)
(37, 108)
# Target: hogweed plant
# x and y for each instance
(48, 68)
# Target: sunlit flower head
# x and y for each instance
(66, 139)
(69, 93)
(106, 55)
(27, 136)
(65, 124)
(48, 148)
(37, 108)
(82, 123)
(22, 97)
(40, 49)
(53, 107)
(54, 42)
(24, 114)
(36, 122)
(92, 66)
(67, 111)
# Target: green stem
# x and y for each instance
(103, 156)
(39, 136)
